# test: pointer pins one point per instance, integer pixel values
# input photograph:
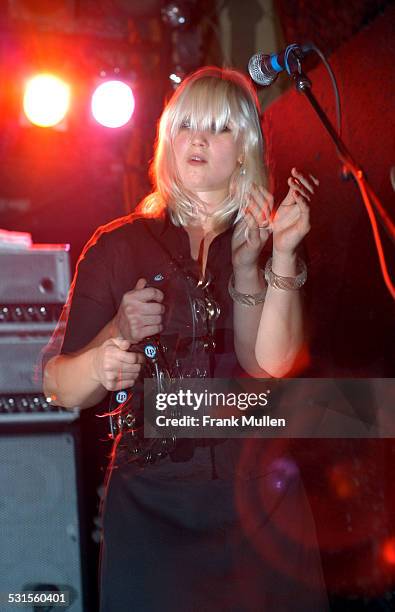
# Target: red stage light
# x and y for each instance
(388, 551)
(46, 100)
(343, 481)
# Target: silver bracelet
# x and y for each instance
(287, 283)
(246, 299)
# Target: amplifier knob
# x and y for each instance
(31, 313)
(43, 313)
(4, 314)
(17, 314)
(23, 404)
(10, 405)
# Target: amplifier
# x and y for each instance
(34, 283)
(38, 275)
(31, 408)
(29, 318)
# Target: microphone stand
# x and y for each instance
(303, 85)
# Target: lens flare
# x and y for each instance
(113, 104)
(46, 100)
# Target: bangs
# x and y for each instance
(209, 104)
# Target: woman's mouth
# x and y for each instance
(196, 159)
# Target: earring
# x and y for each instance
(242, 171)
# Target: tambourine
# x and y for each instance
(183, 350)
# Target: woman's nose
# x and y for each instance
(199, 138)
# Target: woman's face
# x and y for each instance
(206, 161)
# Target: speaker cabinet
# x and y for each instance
(39, 516)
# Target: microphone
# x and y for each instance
(264, 69)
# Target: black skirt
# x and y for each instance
(216, 528)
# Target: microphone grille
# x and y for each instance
(256, 73)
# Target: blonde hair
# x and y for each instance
(209, 99)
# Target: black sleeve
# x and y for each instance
(91, 304)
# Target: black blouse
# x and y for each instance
(131, 248)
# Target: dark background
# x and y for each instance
(59, 185)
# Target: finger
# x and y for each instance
(251, 231)
(259, 209)
(152, 308)
(314, 179)
(263, 198)
(254, 234)
(302, 180)
(251, 220)
(131, 370)
(151, 330)
(257, 220)
(147, 319)
(121, 384)
(147, 294)
(120, 343)
(289, 199)
(256, 217)
(122, 374)
(129, 359)
(139, 357)
(268, 196)
(141, 283)
(296, 185)
(152, 294)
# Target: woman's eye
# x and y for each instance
(224, 129)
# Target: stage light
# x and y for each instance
(175, 14)
(112, 104)
(175, 78)
(46, 100)
(388, 551)
(343, 481)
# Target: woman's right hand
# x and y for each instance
(140, 313)
(253, 230)
(114, 367)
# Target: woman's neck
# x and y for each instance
(212, 200)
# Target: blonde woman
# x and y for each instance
(173, 532)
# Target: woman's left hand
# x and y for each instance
(253, 230)
(291, 221)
